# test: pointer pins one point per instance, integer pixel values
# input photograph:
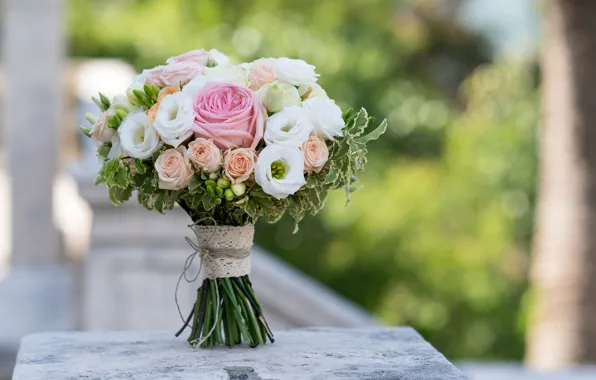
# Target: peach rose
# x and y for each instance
(168, 90)
(261, 72)
(174, 169)
(204, 155)
(174, 74)
(239, 164)
(316, 154)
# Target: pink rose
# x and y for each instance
(316, 154)
(174, 74)
(200, 56)
(239, 164)
(261, 72)
(231, 115)
(204, 155)
(174, 169)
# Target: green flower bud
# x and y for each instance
(99, 103)
(229, 194)
(91, 117)
(214, 176)
(218, 191)
(210, 183)
(211, 191)
(121, 113)
(224, 183)
(217, 201)
(238, 189)
(86, 131)
(104, 100)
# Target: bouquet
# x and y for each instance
(229, 144)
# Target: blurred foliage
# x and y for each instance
(439, 237)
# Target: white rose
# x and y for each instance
(295, 71)
(325, 116)
(137, 136)
(276, 96)
(227, 74)
(280, 170)
(100, 132)
(311, 90)
(291, 126)
(175, 116)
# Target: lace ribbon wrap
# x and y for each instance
(224, 250)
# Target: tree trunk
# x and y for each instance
(563, 326)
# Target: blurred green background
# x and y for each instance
(439, 237)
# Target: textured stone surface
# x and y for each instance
(323, 353)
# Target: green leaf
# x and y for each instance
(103, 150)
(332, 175)
(140, 166)
(375, 134)
(257, 191)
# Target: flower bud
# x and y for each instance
(218, 191)
(276, 96)
(213, 176)
(223, 183)
(86, 131)
(210, 183)
(121, 113)
(91, 118)
(229, 194)
(238, 189)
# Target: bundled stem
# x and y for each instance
(227, 312)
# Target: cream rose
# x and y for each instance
(316, 154)
(204, 155)
(239, 164)
(262, 71)
(100, 132)
(174, 169)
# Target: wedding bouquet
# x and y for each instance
(229, 144)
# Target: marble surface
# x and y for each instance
(319, 353)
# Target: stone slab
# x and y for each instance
(320, 353)
(32, 299)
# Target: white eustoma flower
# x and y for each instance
(227, 74)
(295, 71)
(137, 136)
(290, 126)
(280, 170)
(174, 118)
(116, 149)
(276, 96)
(325, 116)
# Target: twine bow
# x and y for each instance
(202, 253)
